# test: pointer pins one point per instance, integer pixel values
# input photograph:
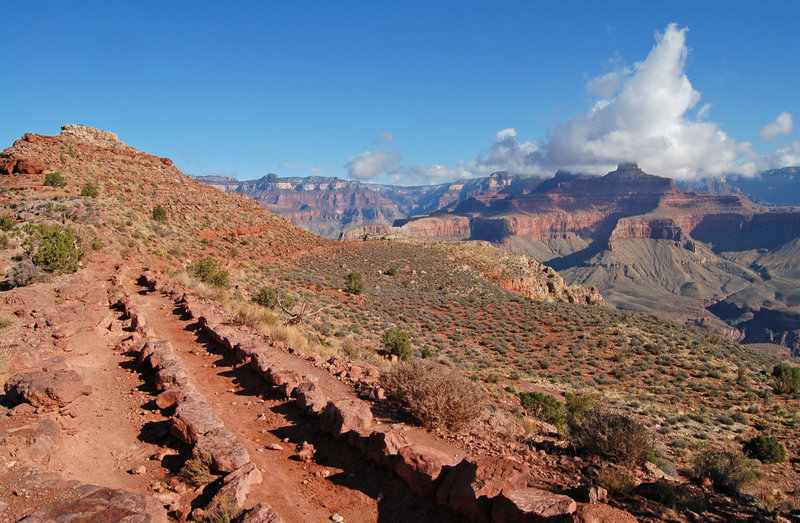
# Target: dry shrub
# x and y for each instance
(197, 472)
(433, 394)
(613, 436)
(254, 315)
(618, 482)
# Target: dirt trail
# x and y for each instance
(338, 481)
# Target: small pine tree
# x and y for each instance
(765, 449)
(90, 190)
(397, 342)
(54, 179)
(354, 283)
(58, 250)
(785, 378)
(159, 213)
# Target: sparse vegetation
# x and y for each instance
(270, 296)
(544, 407)
(6, 223)
(765, 449)
(433, 394)
(226, 511)
(728, 471)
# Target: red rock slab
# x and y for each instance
(470, 487)
(422, 468)
(531, 505)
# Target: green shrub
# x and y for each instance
(785, 378)
(544, 407)
(96, 244)
(54, 179)
(354, 283)
(613, 436)
(6, 223)
(208, 270)
(58, 250)
(268, 297)
(159, 213)
(433, 394)
(3, 241)
(391, 271)
(90, 190)
(766, 449)
(578, 407)
(396, 341)
(728, 471)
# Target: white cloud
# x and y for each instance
(783, 124)
(376, 163)
(648, 113)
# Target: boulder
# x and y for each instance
(42, 388)
(471, 486)
(600, 513)
(589, 493)
(94, 503)
(193, 418)
(383, 446)
(170, 374)
(261, 513)
(220, 445)
(531, 505)
(172, 396)
(313, 401)
(422, 468)
(342, 416)
(26, 166)
(236, 486)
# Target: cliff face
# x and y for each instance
(328, 206)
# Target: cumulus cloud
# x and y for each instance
(648, 113)
(783, 124)
(382, 162)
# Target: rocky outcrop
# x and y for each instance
(44, 388)
(86, 502)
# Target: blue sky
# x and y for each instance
(413, 92)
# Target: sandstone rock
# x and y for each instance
(359, 439)
(220, 445)
(94, 503)
(236, 486)
(172, 396)
(305, 452)
(26, 166)
(46, 388)
(468, 489)
(193, 418)
(600, 513)
(589, 494)
(422, 468)
(313, 401)
(37, 442)
(261, 513)
(343, 416)
(531, 505)
(383, 446)
(170, 374)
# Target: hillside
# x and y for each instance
(647, 245)
(213, 357)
